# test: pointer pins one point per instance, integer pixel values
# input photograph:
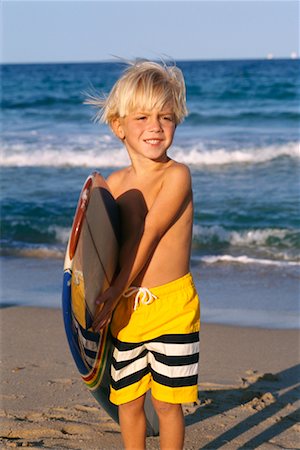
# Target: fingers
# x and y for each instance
(105, 305)
(102, 318)
(101, 323)
(100, 300)
(97, 327)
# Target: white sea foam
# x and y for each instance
(38, 252)
(41, 251)
(65, 158)
(247, 238)
(61, 233)
(243, 259)
(107, 154)
(222, 156)
(54, 252)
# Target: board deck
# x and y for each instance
(90, 266)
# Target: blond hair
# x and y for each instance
(143, 85)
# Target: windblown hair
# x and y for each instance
(144, 85)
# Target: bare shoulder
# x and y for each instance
(179, 173)
(116, 178)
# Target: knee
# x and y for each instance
(133, 407)
(164, 409)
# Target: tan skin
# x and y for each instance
(157, 224)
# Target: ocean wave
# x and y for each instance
(241, 117)
(61, 233)
(273, 247)
(34, 251)
(107, 155)
(219, 157)
(51, 241)
(40, 101)
(243, 259)
(52, 157)
(56, 252)
(282, 242)
(267, 237)
(280, 245)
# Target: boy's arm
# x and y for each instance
(173, 197)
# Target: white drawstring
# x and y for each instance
(146, 299)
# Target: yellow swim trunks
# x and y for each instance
(156, 339)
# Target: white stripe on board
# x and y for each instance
(90, 345)
(89, 360)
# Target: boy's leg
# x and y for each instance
(133, 424)
(171, 425)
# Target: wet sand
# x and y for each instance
(248, 389)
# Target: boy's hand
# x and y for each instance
(105, 305)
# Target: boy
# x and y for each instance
(155, 306)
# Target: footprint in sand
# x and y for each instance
(253, 376)
(260, 402)
(9, 431)
(78, 429)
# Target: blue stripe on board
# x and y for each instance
(67, 315)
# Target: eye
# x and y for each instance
(141, 118)
(169, 118)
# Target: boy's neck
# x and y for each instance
(144, 165)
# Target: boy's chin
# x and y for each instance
(161, 159)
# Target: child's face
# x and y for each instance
(147, 134)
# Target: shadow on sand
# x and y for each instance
(266, 398)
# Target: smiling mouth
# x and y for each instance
(153, 141)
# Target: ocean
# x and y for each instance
(240, 140)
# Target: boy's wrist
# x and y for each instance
(122, 281)
(116, 289)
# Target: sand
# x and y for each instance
(248, 389)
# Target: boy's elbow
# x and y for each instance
(153, 234)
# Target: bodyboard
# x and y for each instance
(90, 266)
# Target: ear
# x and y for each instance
(117, 128)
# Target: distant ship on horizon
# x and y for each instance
(293, 55)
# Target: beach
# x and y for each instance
(241, 144)
(248, 389)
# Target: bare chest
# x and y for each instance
(134, 201)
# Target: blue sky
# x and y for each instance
(56, 31)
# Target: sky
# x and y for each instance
(78, 31)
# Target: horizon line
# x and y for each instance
(261, 58)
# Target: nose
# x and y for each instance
(155, 125)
